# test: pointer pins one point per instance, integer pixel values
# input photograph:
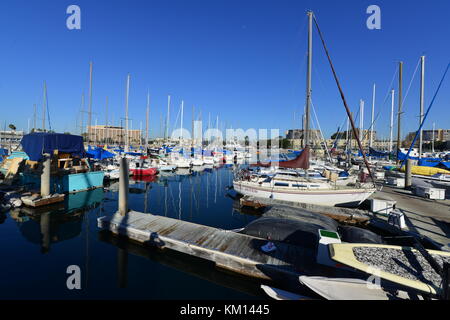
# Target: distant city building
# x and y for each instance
(341, 141)
(10, 137)
(296, 137)
(379, 145)
(439, 135)
(112, 135)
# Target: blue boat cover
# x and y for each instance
(3, 152)
(402, 156)
(376, 153)
(37, 143)
(99, 153)
(427, 163)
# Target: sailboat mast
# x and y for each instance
(106, 121)
(166, 133)
(399, 115)
(146, 121)
(34, 120)
(82, 114)
(422, 91)
(126, 114)
(432, 141)
(193, 134)
(361, 119)
(90, 103)
(373, 110)
(44, 106)
(308, 80)
(181, 123)
(391, 127)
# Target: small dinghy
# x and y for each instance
(279, 294)
(352, 289)
(144, 171)
(402, 265)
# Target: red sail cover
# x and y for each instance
(302, 161)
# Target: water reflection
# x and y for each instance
(58, 222)
(187, 264)
(67, 232)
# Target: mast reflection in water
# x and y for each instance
(40, 244)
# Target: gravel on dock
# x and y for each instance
(405, 263)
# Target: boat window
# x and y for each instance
(281, 184)
(314, 186)
(299, 185)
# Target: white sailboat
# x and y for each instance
(301, 189)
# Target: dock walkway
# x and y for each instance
(227, 249)
(424, 217)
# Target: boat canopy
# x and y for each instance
(378, 154)
(402, 156)
(99, 153)
(37, 143)
(437, 164)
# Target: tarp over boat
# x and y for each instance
(37, 143)
(402, 156)
(375, 153)
(99, 153)
(435, 164)
(301, 161)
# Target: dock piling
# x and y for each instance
(408, 175)
(45, 176)
(123, 187)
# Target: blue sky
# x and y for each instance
(242, 60)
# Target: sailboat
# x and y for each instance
(301, 189)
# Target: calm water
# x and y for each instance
(38, 246)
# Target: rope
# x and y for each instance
(343, 99)
(318, 125)
(409, 87)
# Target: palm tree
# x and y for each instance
(12, 127)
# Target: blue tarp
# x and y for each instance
(99, 153)
(375, 153)
(3, 152)
(37, 143)
(427, 163)
(445, 164)
(438, 164)
(402, 156)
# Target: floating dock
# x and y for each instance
(424, 217)
(229, 250)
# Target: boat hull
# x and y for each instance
(339, 197)
(68, 183)
(144, 172)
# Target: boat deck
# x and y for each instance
(227, 249)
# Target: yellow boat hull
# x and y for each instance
(425, 171)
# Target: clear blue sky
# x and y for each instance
(243, 60)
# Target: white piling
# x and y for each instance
(45, 176)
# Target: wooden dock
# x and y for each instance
(227, 249)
